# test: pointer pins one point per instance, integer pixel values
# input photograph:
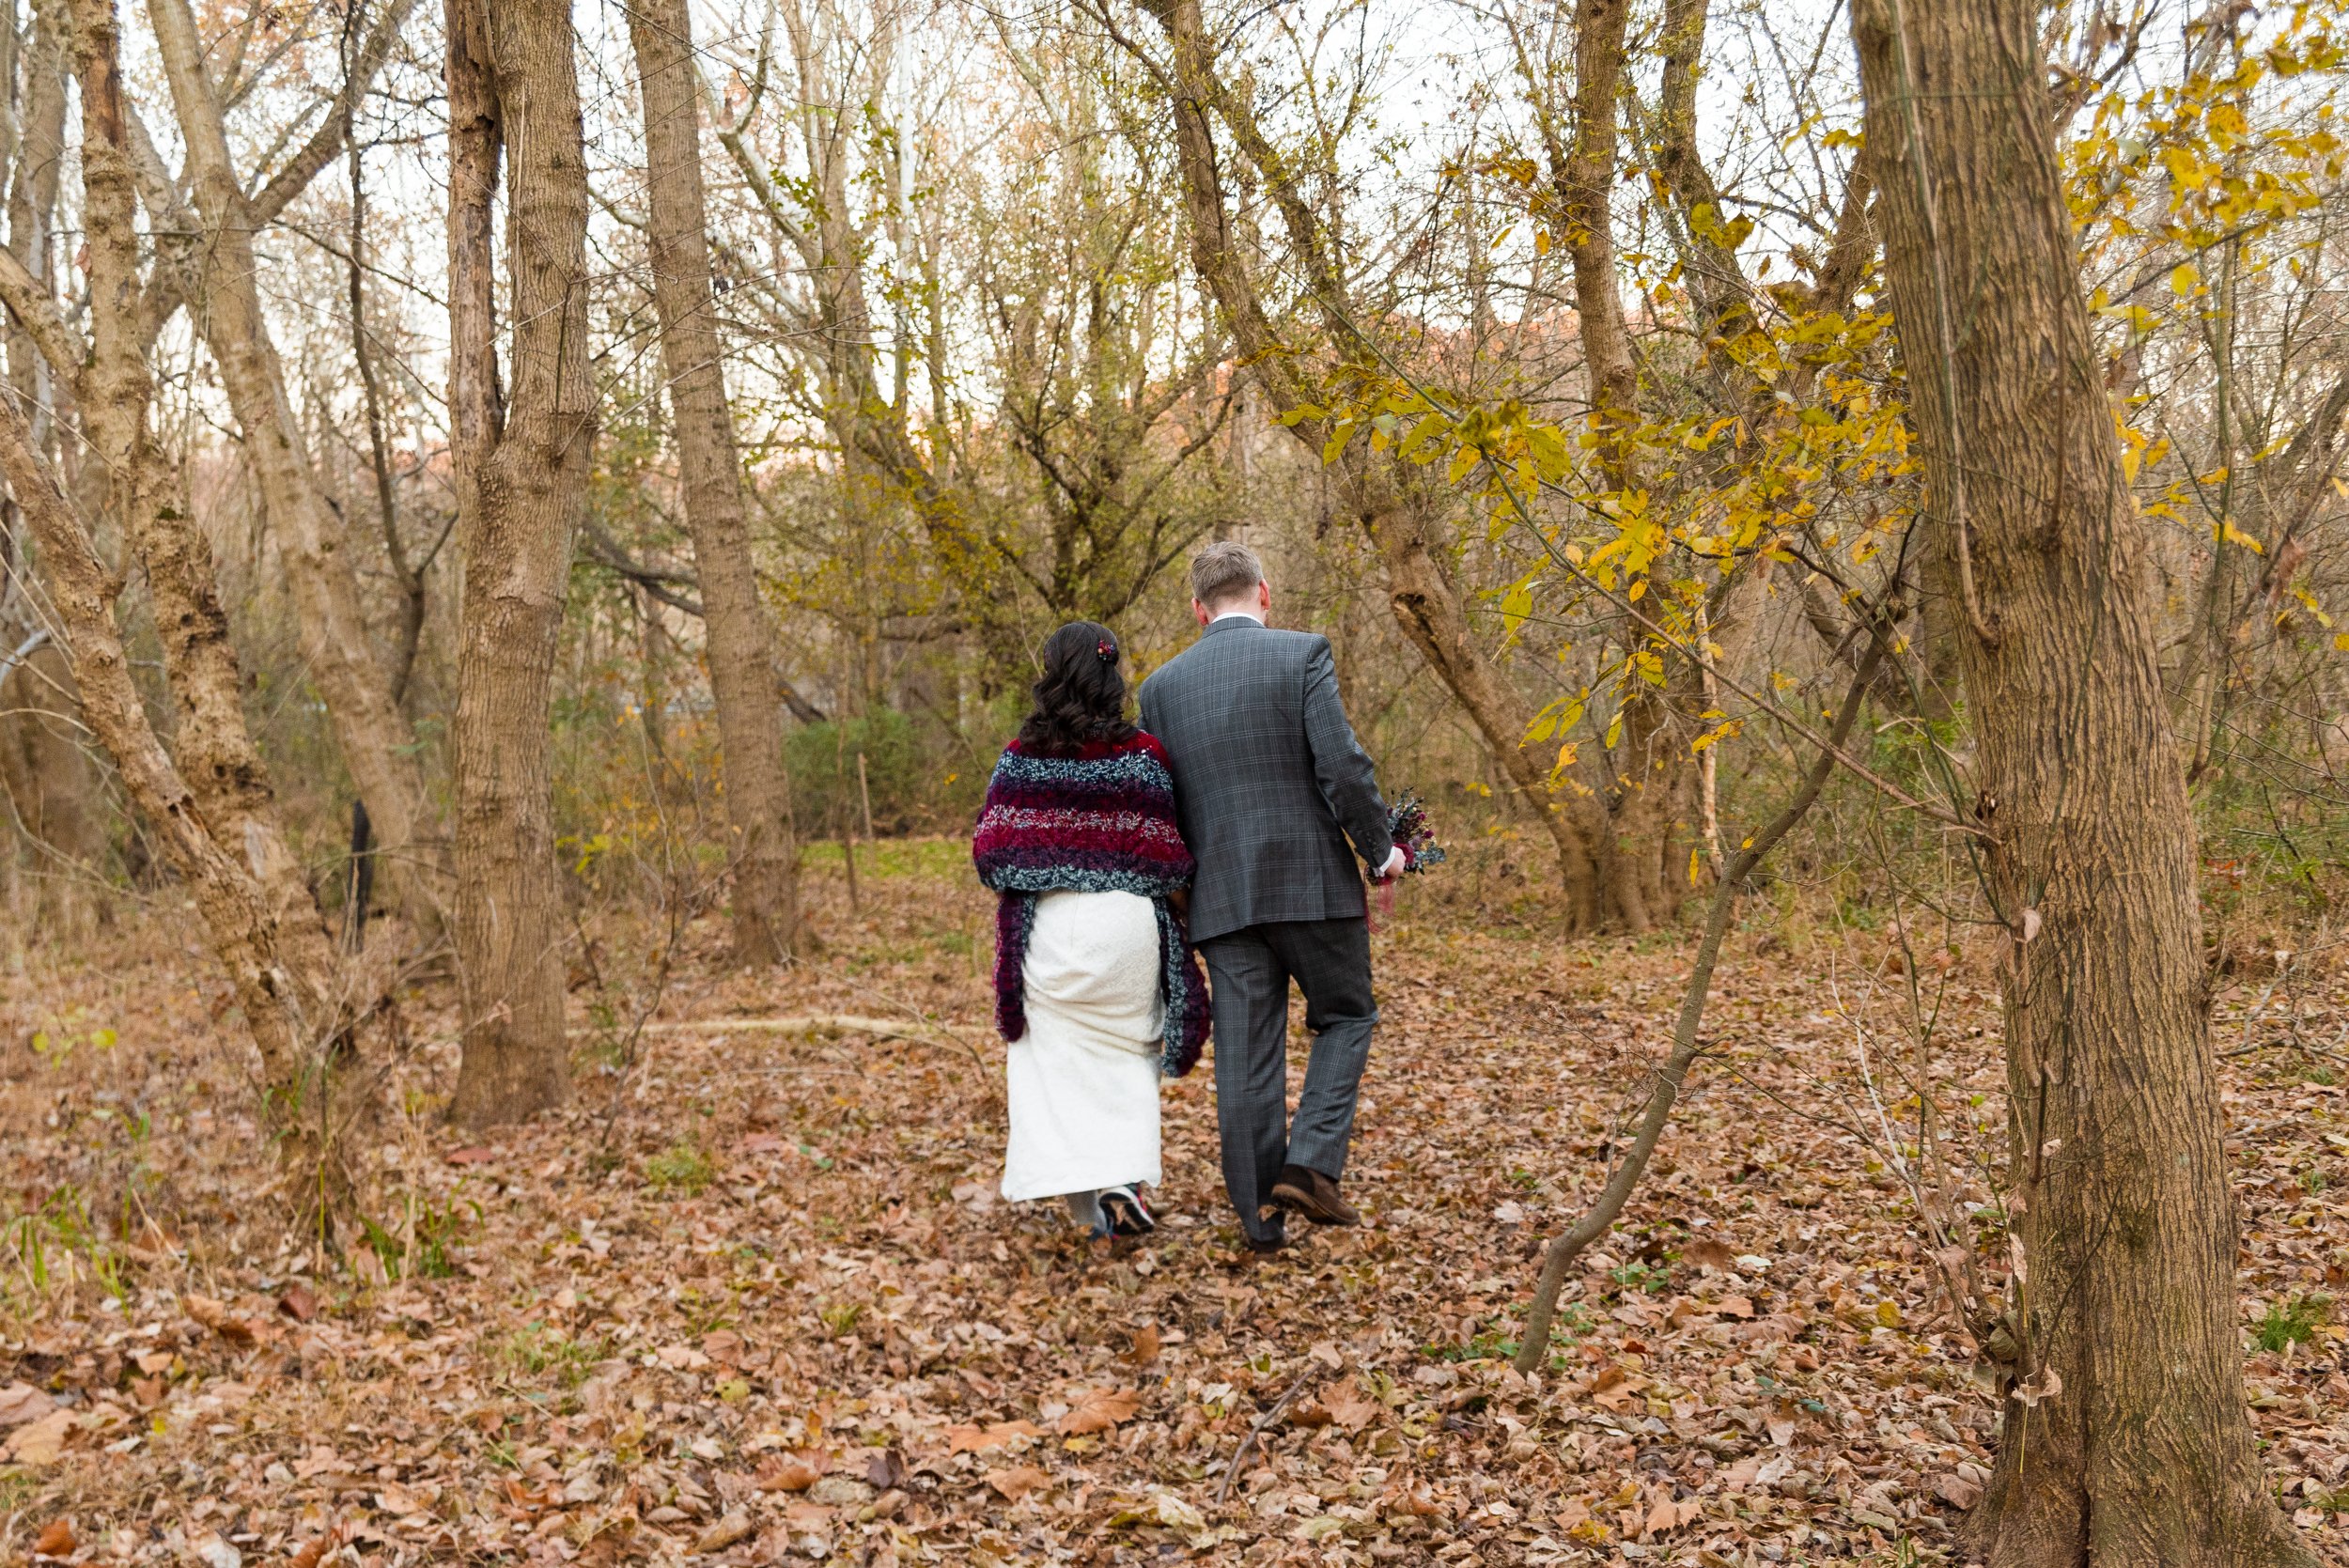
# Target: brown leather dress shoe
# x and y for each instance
(1312, 1195)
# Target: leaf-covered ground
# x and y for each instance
(752, 1300)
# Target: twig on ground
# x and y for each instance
(1264, 1422)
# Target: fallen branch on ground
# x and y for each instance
(1268, 1420)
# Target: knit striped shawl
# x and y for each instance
(1098, 820)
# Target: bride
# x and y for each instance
(1095, 986)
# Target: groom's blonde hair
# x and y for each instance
(1224, 571)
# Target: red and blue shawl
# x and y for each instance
(1098, 819)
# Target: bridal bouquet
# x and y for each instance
(1406, 824)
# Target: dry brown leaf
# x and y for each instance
(1018, 1480)
(1734, 1306)
(1144, 1349)
(55, 1539)
(789, 1475)
(724, 1533)
(216, 1316)
(299, 1301)
(977, 1440)
(1667, 1515)
(1956, 1490)
(1349, 1409)
(21, 1402)
(39, 1442)
(1311, 1413)
(1705, 1252)
(1100, 1411)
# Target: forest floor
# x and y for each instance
(753, 1298)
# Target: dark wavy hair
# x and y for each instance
(1080, 697)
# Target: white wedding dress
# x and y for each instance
(1084, 1081)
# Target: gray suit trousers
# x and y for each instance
(1250, 971)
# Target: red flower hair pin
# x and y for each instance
(1106, 649)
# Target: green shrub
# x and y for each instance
(680, 1167)
(2293, 1321)
(822, 761)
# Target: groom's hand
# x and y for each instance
(1396, 863)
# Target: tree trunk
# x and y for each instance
(288, 1001)
(1427, 609)
(33, 205)
(222, 277)
(1585, 180)
(2126, 1439)
(522, 466)
(741, 641)
(216, 754)
(215, 806)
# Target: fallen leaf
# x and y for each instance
(763, 1143)
(1017, 1482)
(299, 1302)
(1144, 1349)
(791, 1475)
(1740, 1475)
(21, 1402)
(56, 1539)
(1310, 1414)
(1100, 1411)
(682, 1358)
(884, 1469)
(41, 1441)
(216, 1316)
(397, 1500)
(2043, 1384)
(1349, 1409)
(977, 1440)
(312, 1550)
(1174, 1511)
(1707, 1252)
(1956, 1490)
(724, 1534)
(1667, 1515)
(482, 1155)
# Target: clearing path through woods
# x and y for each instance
(751, 1296)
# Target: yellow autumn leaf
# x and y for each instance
(2183, 278)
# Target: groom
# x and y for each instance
(1269, 787)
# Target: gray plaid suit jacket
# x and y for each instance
(1270, 782)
